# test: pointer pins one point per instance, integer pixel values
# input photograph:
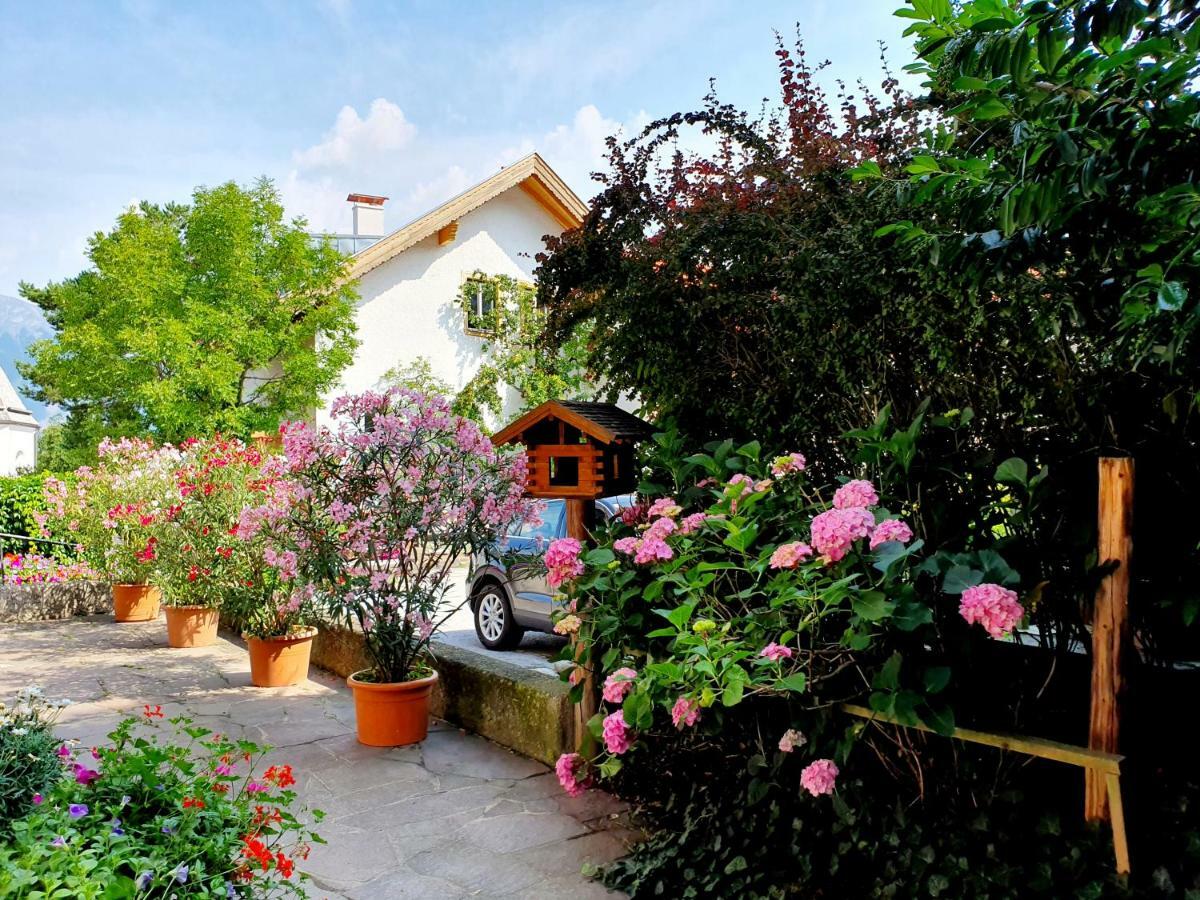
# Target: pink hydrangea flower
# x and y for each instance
(791, 740)
(653, 549)
(567, 769)
(775, 652)
(568, 624)
(788, 556)
(685, 712)
(692, 523)
(664, 506)
(617, 736)
(786, 465)
(835, 531)
(562, 561)
(819, 777)
(626, 545)
(618, 684)
(890, 530)
(994, 607)
(857, 493)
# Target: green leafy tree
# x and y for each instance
(214, 316)
(1067, 142)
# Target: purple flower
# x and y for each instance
(84, 775)
(181, 874)
(125, 798)
(143, 881)
(59, 841)
(77, 810)
(117, 830)
(37, 799)
(167, 829)
(64, 751)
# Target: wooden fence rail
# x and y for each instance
(1104, 766)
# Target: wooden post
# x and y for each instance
(580, 516)
(1110, 623)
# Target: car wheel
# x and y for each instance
(494, 623)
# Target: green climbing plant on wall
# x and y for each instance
(504, 312)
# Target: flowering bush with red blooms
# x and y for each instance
(112, 509)
(372, 513)
(187, 814)
(201, 559)
(746, 583)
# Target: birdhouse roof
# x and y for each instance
(604, 422)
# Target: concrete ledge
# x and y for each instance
(526, 711)
(42, 602)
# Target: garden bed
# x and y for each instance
(43, 602)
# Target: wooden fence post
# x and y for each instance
(580, 518)
(1110, 623)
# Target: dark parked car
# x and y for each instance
(509, 595)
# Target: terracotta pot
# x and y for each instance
(136, 602)
(280, 661)
(391, 715)
(191, 626)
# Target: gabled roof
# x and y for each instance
(532, 174)
(605, 422)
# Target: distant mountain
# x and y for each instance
(21, 323)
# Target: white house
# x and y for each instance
(410, 281)
(18, 431)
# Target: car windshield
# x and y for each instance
(551, 513)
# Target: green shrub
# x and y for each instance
(29, 764)
(20, 498)
(181, 816)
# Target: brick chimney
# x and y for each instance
(368, 215)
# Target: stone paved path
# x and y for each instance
(456, 816)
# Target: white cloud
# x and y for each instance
(382, 154)
(21, 319)
(354, 140)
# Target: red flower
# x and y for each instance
(152, 712)
(257, 851)
(280, 775)
(225, 552)
(189, 802)
(284, 865)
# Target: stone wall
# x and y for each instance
(524, 710)
(39, 602)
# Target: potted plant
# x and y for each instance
(112, 510)
(279, 632)
(202, 563)
(370, 518)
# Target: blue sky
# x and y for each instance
(105, 103)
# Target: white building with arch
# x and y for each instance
(18, 431)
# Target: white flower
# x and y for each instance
(20, 731)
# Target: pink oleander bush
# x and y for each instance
(778, 591)
(369, 514)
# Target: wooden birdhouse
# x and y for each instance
(578, 450)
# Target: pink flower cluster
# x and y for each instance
(562, 561)
(618, 737)
(568, 769)
(791, 740)
(618, 684)
(652, 546)
(819, 777)
(853, 494)
(33, 568)
(664, 506)
(788, 556)
(835, 531)
(890, 530)
(788, 464)
(994, 607)
(775, 652)
(685, 712)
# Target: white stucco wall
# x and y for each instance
(18, 447)
(409, 307)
